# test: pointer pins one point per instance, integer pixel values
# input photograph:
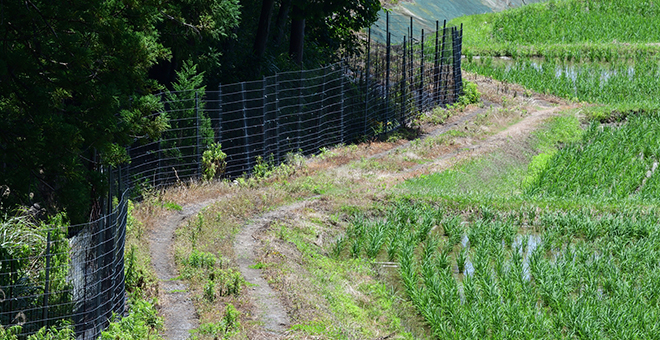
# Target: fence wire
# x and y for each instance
(65, 275)
(302, 111)
(76, 273)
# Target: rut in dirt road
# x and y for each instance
(269, 307)
(178, 311)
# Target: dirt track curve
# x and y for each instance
(175, 300)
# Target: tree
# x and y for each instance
(297, 38)
(264, 28)
(331, 24)
(194, 30)
(180, 143)
(73, 92)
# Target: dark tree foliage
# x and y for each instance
(67, 69)
(332, 24)
(195, 30)
(77, 77)
(310, 31)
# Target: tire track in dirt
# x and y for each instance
(269, 308)
(179, 312)
(522, 128)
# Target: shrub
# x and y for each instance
(213, 161)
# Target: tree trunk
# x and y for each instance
(264, 27)
(297, 39)
(280, 22)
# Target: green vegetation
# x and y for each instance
(225, 328)
(22, 243)
(615, 83)
(142, 322)
(356, 309)
(213, 161)
(609, 163)
(555, 237)
(526, 272)
(78, 80)
(567, 29)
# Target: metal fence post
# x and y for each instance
(264, 121)
(436, 71)
(420, 107)
(321, 114)
(404, 85)
(199, 136)
(456, 63)
(219, 137)
(387, 80)
(366, 86)
(299, 120)
(342, 128)
(459, 54)
(47, 284)
(246, 137)
(278, 133)
(443, 63)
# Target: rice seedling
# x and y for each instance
(377, 235)
(356, 247)
(339, 245)
(453, 229)
(612, 83)
(568, 30)
(621, 161)
(461, 258)
(393, 247)
(583, 264)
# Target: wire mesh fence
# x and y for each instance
(65, 276)
(59, 275)
(379, 91)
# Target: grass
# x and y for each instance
(567, 30)
(337, 299)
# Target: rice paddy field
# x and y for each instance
(528, 272)
(568, 244)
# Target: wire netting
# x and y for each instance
(59, 275)
(53, 275)
(377, 92)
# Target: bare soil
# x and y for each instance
(176, 305)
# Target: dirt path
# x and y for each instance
(270, 310)
(519, 130)
(178, 310)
